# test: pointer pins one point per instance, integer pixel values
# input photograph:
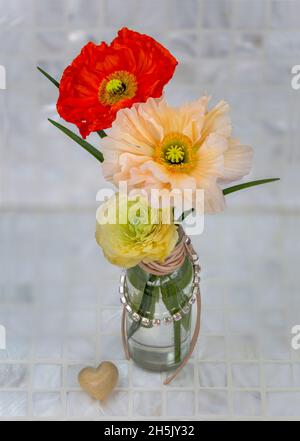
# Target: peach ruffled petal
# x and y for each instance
(214, 201)
(210, 158)
(237, 161)
(217, 121)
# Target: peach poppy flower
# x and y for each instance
(154, 145)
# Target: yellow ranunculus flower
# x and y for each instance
(130, 231)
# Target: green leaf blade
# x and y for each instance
(232, 190)
(247, 185)
(53, 80)
(87, 146)
(101, 133)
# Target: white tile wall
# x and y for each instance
(58, 297)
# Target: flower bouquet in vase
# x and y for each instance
(172, 161)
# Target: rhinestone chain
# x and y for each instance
(165, 320)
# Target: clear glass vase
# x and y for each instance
(159, 312)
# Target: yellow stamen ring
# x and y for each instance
(175, 152)
(117, 87)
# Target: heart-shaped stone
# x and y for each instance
(99, 382)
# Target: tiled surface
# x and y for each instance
(58, 322)
(58, 297)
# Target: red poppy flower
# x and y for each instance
(103, 79)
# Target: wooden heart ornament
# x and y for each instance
(99, 382)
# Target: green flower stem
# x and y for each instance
(102, 134)
(146, 306)
(171, 299)
(177, 341)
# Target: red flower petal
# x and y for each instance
(145, 59)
